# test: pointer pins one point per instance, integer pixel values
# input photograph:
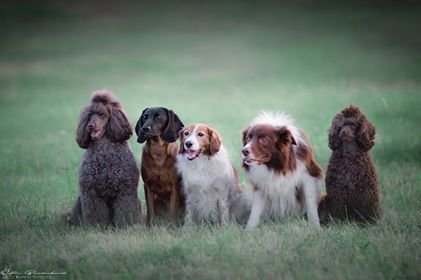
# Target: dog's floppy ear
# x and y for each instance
(245, 132)
(181, 135)
(334, 139)
(82, 135)
(118, 127)
(139, 132)
(366, 134)
(174, 125)
(214, 141)
(285, 136)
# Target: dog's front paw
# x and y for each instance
(251, 225)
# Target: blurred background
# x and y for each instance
(218, 62)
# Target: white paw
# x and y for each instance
(251, 226)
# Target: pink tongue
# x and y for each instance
(191, 153)
(95, 133)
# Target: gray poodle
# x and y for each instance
(108, 175)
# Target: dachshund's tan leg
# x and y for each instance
(150, 203)
(174, 205)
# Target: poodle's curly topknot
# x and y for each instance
(351, 179)
(105, 97)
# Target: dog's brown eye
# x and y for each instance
(200, 134)
(186, 133)
(101, 115)
(248, 139)
(264, 140)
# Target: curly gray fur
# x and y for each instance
(108, 174)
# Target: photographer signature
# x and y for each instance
(7, 273)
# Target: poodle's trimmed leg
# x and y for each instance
(323, 209)
(150, 204)
(126, 210)
(95, 211)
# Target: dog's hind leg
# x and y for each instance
(95, 211)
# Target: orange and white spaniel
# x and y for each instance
(209, 180)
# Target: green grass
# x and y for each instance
(219, 63)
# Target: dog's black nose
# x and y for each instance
(91, 126)
(189, 144)
(245, 152)
(146, 129)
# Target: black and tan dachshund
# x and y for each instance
(159, 127)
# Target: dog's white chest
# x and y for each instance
(278, 191)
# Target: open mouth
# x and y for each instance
(250, 161)
(193, 154)
(96, 134)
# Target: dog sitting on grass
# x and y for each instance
(351, 179)
(108, 175)
(159, 127)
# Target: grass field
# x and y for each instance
(218, 63)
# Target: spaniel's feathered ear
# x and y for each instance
(366, 134)
(285, 136)
(82, 135)
(174, 125)
(214, 141)
(334, 139)
(141, 138)
(181, 136)
(119, 128)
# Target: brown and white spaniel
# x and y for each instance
(280, 164)
(209, 180)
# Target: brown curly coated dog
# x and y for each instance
(351, 179)
(108, 175)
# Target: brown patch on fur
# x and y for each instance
(300, 198)
(189, 129)
(305, 153)
(272, 147)
(237, 188)
(210, 142)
